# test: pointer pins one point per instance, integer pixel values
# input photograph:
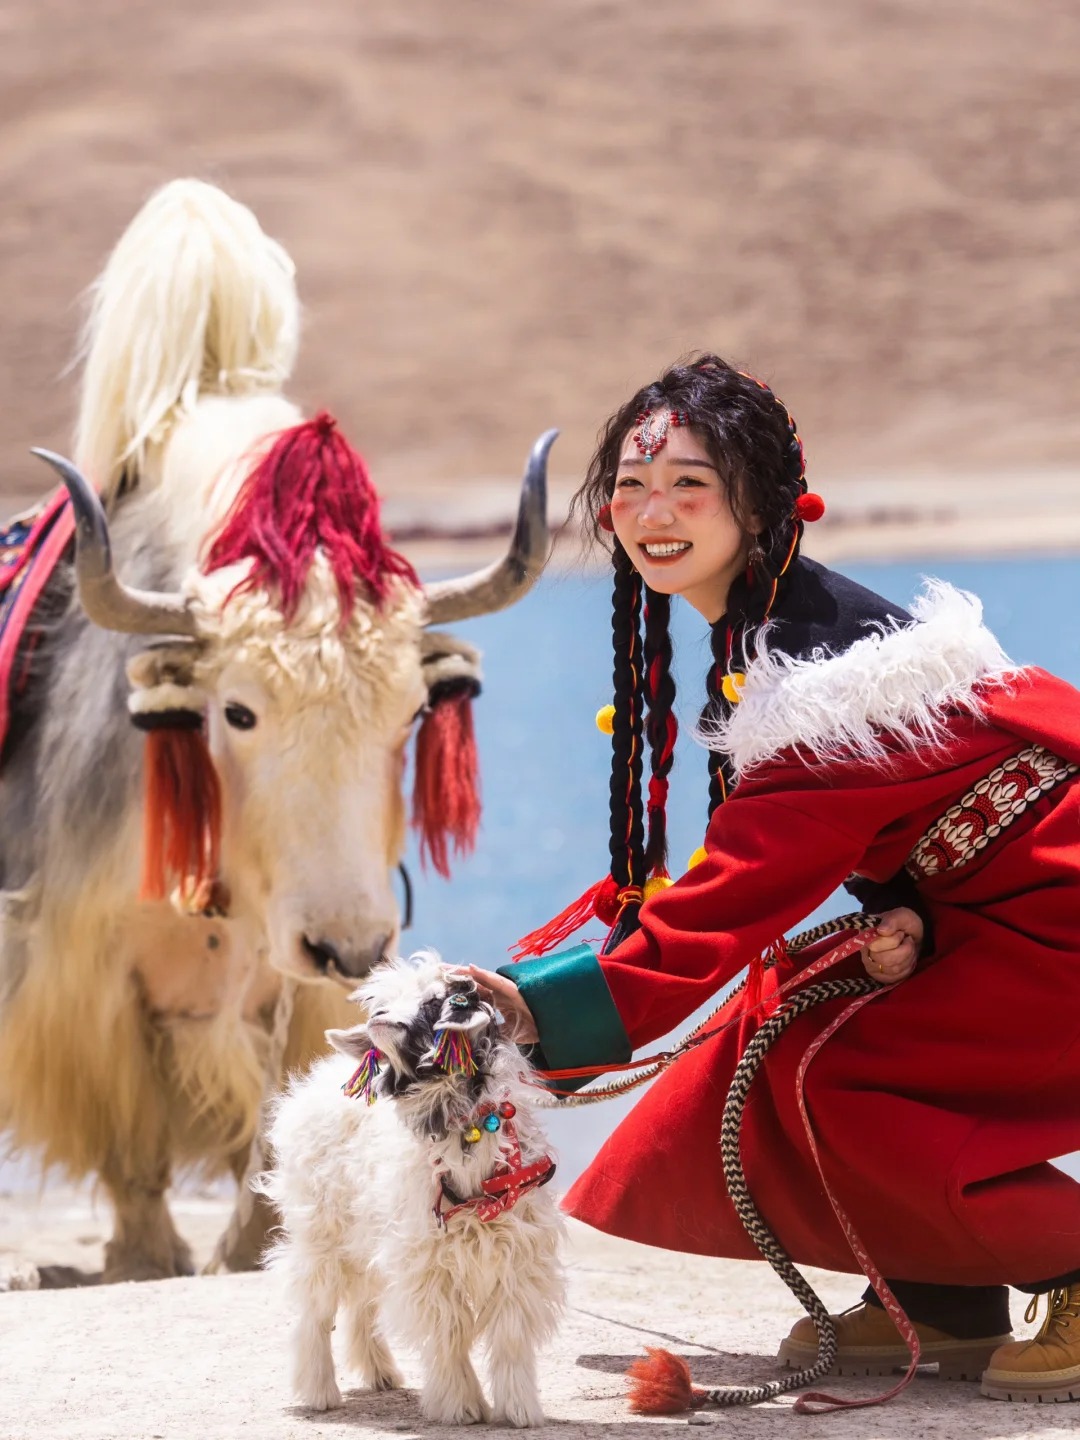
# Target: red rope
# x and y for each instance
(698, 1037)
(816, 1402)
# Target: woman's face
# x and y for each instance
(673, 519)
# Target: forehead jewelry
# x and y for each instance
(652, 432)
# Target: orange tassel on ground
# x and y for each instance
(660, 1385)
(446, 794)
(181, 819)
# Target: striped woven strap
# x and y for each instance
(987, 810)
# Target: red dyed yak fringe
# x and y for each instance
(182, 818)
(446, 795)
(660, 1384)
(311, 492)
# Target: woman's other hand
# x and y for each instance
(506, 997)
(893, 955)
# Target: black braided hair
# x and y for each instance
(661, 726)
(627, 833)
(720, 773)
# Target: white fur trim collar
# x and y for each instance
(898, 683)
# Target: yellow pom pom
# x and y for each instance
(657, 884)
(731, 686)
(697, 857)
(605, 720)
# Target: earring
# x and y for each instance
(756, 558)
(603, 518)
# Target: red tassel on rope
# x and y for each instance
(182, 818)
(446, 794)
(660, 1384)
(755, 980)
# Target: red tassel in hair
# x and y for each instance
(182, 818)
(311, 492)
(446, 796)
(600, 900)
(660, 1385)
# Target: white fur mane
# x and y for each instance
(897, 685)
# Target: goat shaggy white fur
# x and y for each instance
(358, 1186)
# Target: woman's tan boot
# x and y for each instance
(1047, 1368)
(870, 1344)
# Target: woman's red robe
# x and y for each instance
(938, 1107)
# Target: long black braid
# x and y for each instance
(750, 600)
(661, 726)
(721, 777)
(627, 831)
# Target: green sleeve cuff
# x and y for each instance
(574, 1012)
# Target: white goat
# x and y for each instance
(410, 1193)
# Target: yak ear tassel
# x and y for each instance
(446, 797)
(182, 819)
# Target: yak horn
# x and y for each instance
(506, 580)
(105, 599)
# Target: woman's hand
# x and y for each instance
(518, 1022)
(892, 957)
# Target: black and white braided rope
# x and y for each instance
(752, 1222)
(841, 925)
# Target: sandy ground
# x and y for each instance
(204, 1359)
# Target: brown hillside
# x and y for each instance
(505, 215)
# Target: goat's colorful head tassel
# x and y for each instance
(453, 1052)
(362, 1080)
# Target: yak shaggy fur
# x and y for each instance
(356, 1183)
(132, 1037)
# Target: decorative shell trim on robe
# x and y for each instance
(898, 684)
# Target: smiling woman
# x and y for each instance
(851, 742)
(673, 512)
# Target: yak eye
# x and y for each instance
(239, 716)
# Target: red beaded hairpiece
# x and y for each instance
(652, 433)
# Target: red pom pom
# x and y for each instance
(660, 1384)
(809, 507)
(606, 905)
(603, 518)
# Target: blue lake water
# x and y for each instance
(546, 767)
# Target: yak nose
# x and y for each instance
(331, 959)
